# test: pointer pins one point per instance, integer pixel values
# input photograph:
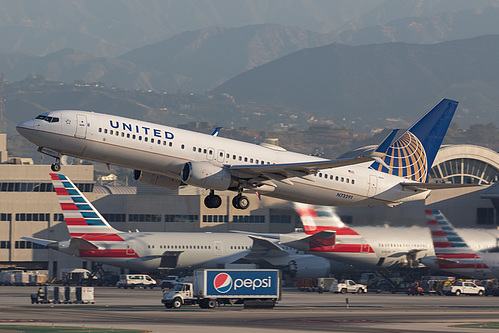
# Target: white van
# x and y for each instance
(136, 280)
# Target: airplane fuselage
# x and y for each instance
(380, 247)
(165, 150)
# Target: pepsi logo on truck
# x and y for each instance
(261, 283)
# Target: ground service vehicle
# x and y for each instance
(136, 280)
(467, 288)
(255, 288)
(170, 281)
(348, 286)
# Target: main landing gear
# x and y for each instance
(214, 201)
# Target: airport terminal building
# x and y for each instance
(29, 207)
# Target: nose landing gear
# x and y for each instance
(56, 167)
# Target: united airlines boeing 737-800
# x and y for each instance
(169, 157)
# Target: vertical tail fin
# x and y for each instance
(452, 252)
(81, 217)
(412, 155)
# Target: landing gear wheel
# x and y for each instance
(240, 202)
(56, 167)
(213, 201)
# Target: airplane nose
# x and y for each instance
(25, 125)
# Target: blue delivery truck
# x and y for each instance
(255, 288)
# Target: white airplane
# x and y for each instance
(92, 238)
(452, 253)
(371, 247)
(169, 157)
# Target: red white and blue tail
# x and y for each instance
(451, 251)
(81, 217)
(317, 219)
(91, 235)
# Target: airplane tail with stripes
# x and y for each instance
(452, 253)
(81, 217)
(411, 156)
(91, 235)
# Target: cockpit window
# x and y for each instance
(48, 119)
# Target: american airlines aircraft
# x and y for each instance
(92, 238)
(372, 247)
(452, 253)
(169, 157)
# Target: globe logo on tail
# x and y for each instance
(222, 283)
(406, 158)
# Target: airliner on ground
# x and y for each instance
(452, 253)
(92, 238)
(169, 157)
(371, 247)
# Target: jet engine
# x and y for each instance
(207, 175)
(306, 266)
(153, 179)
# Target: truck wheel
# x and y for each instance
(458, 292)
(344, 290)
(480, 293)
(152, 286)
(360, 291)
(177, 303)
(211, 304)
(168, 305)
(132, 286)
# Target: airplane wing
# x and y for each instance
(264, 248)
(39, 241)
(281, 172)
(311, 242)
(265, 173)
(435, 186)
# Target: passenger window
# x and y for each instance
(100, 130)
(105, 131)
(194, 149)
(353, 181)
(245, 159)
(331, 177)
(182, 146)
(111, 132)
(170, 144)
(145, 139)
(336, 178)
(348, 181)
(133, 136)
(199, 150)
(152, 140)
(122, 134)
(140, 137)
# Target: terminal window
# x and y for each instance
(33, 217)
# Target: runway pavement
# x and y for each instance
(297, 312)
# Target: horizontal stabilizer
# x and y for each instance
(78, 243)
(39, 241)
(435, 186)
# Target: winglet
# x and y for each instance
(216, 131)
